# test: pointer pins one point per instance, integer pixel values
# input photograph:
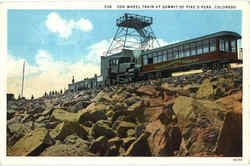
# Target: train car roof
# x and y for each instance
(210, 36)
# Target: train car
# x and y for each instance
(114, 68)
(214, 51)
(210, 52)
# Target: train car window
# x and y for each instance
(164, 56)
(124, 60)
(205, 46)
(193, 49)
(160, 58)
(170, 53)
(222, 46)
(154, 59)
(186, 51)
(150, 60)
(180, 52)
(145, 59)
(175, 53)
(212, 45)
(226, 46)
(233, 45)
(199, 48)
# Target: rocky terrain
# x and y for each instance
(190, 115)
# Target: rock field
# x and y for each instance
(190, 115)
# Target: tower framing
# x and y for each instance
(134, 32)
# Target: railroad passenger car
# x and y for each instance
(214, 51)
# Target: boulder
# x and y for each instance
(230, 140)
(206, 90)
(31, 144)
(188, 109)
(48, 111)
(10, 113)
(66, 128)
(131, 132)
(17, 131)
(102, 129)
(102, 97)
(123, 127)
(113, 151)
(140, 147)
(164, 139)
(79, 149)
(93, 113)
(78, 106)
(202, 140)
(62, 115)
(136, 111)
(126, 142)
(117, 141)
(147, 90)
(99, 146)
(200, 122)
(232, 102)
(37, 109)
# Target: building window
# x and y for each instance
(193, 49)
(175, 53)
(222, 46)
(206, 46)
(199, 48)
(233, 45)
(226, 45)
(180, 52)
(186, 51)
(212, 45)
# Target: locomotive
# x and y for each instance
(211, 52)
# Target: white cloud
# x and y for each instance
(97, 50)
(55, 23)
(46, 74)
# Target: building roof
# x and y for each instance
(210, 36)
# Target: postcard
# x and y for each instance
(124, 83)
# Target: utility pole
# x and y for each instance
(23, 78)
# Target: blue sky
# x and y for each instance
(54, 39)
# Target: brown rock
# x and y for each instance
(102, 129)
(232, 102)
(62, 115)
(188, 109)
(94, 113)
(163, 140)
(126, 142)
(206, 90)
(123, 127)
(31, 144)
(67, 150)
(230, 141)
(66, 128)
(148, 90)
(115, 141)
(100, 146)
(140, 147)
